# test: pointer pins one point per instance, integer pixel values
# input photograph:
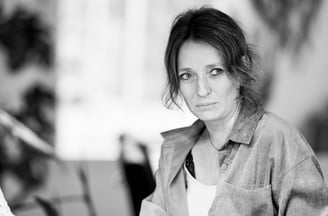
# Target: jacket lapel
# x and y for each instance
(183, 140)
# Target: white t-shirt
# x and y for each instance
(199, 196)
(4, 208)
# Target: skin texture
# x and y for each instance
(205, 85)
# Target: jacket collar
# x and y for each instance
(246, 123)
(184, 139)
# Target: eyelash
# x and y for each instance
(183, 78)
(219, 72)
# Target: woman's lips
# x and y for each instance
(206, 104)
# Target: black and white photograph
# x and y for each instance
(163, 108)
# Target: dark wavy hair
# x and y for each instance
(219, 30)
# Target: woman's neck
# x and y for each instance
(218, 130)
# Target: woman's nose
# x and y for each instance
(203, 88)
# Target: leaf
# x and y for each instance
(47, 206)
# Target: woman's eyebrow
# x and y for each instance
(210, 66)
(184, 69)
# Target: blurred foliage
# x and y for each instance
(25, 39)
(39, 112)
(28, 165)
(290, 19)
(290, 22)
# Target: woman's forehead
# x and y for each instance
(194, 53)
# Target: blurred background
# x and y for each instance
(81, 84)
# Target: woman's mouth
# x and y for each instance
(206, 105)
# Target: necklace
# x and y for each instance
(234, 119)
(209, 140)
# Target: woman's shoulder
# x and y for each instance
(172, 133)
(183, 133)
(284, 137)
(277, 126)
(275, 122)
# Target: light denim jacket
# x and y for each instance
(267, 168)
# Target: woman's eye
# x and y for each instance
(216, 72)
(185, 76)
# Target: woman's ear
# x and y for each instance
(235, 83)
(243, 59)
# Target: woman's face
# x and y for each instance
(204, 83)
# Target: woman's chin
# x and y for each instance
(207, 116)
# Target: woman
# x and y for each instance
(237, 159)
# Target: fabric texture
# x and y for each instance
(267, 168)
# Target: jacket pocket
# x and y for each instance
(236, 200)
